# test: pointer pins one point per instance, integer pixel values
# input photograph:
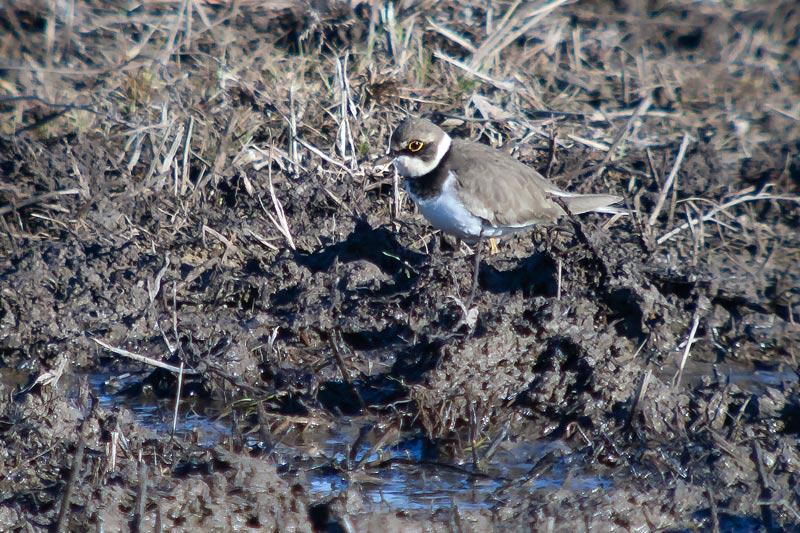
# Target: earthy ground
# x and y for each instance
(194, 182)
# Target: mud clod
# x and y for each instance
(207, 197)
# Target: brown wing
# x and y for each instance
(516, 196)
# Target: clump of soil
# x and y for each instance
(197, 188)
(120, 475)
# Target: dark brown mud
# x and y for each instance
(637, 374)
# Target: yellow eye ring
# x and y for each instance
(415, 146)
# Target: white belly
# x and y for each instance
(447, 213)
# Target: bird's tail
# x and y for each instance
(598, 203)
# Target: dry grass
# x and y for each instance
(202, 131)
(676, 108)
(180, 96)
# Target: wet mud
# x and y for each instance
(628, 374)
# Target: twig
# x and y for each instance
(141, 497)
(281, 222)
(744, 196)
(500, 84)
(697, 229)
(336, 343)
(785, 112)
(53, 376)
(153, 287)
(576, 49)
(168, 161)
(229, 246)
(111, 451)
(171, 348)
(662, 197)
(321, 154)
(177, 399)
(143, 358)
(187, 148)
(77, 461)
(641, 390)
(348, 524)
(504, 35)
(292, 119)
(391, 433)
(496, 443)
(169, 45)
(260, 238)
(447, 33)
(643, 106)
(679, 375)
(14, 206)
(558, 289)
(395, 193)
(595, 145)
(473, 436)
(783, 502)
(390, 22)
(374, 19)
(540, 468)
(766, 490)
(158, 148)
(712, 504)
(346, 108)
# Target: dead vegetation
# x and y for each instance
(194, 182)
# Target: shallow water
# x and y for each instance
(407, 476)
(410, 475)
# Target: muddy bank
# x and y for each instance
(209, 199)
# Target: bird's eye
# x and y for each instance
(415, 146)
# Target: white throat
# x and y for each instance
(413, 167)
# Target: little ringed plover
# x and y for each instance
(474, 192)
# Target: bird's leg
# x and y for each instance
(474, 290)
(493, 246)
